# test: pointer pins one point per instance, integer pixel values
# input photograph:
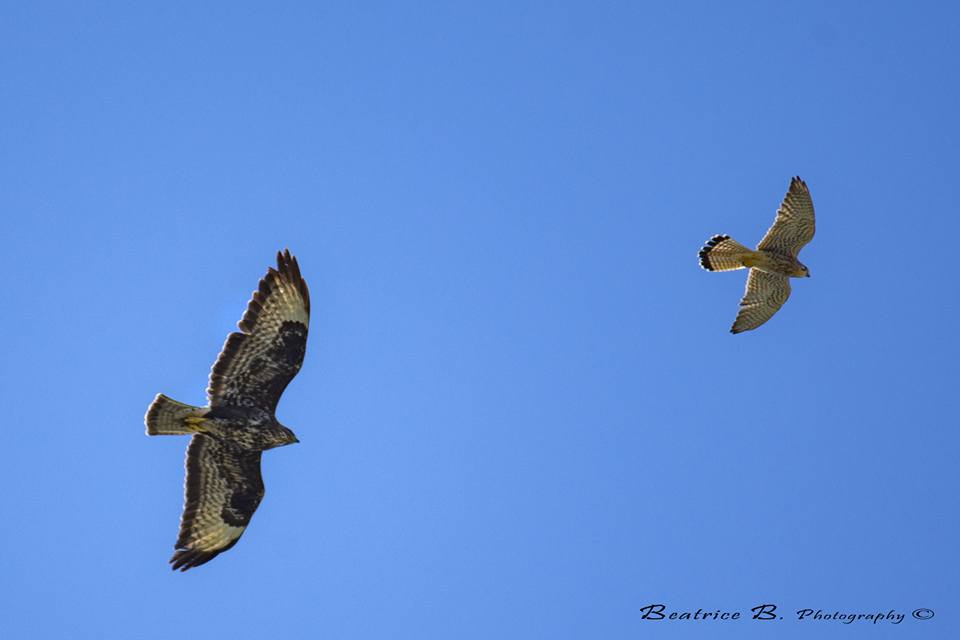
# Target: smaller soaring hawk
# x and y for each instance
(223, 486)
(772, 264)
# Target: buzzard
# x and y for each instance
(772, 264)
(223, 486)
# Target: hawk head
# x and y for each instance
(279, 437)
(800, 271)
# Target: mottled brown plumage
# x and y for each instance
(223, 484)
(773, 262)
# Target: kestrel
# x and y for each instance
(772, 264)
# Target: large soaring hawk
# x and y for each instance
(223, 486)
(772, 264)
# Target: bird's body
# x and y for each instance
(248, 428)
(772, 263)
(223, 485)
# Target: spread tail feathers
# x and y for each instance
(723, 253)
(167, 417)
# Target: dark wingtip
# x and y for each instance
(289, 268)
(285, 260)
(184, 559)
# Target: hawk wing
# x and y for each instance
(222, 490)
(794, 225)
(765, 294)
(257, 364)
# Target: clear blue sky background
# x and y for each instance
(521, 413)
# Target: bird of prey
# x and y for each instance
(223, 486)
(772, 264)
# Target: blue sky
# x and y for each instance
(521, 413)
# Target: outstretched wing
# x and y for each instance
(794, 225)
(222, 490)
(256, 365)
(765, 294)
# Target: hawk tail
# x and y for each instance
(723, 253)
(167, 417)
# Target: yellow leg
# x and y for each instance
(195, 423)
